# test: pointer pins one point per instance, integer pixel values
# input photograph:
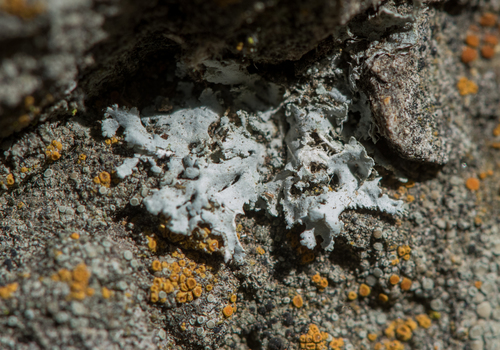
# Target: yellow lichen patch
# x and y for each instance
(233, 298)
(227, 311)
(156, 265)
(352, 295)
(394, 279)
(411, 323)
(191, 283)
(423, 320)
(403, 250)
(383, 298)
(488, 19)
(472, 184)
(260, 251)
(393, 345)
(406, 284)
(23, 9)
(152, 245)
(496, 131)
(75, 235)
(181, 297)
(7, 291)
(314, 339)
(197, 291)
(209, 287)
(372, 336)
(403, 332)
(64, 275)
(24, 169)
(105, 178)
(297, 301)
(213, 245)
(316, 278)
(10, 180)
(81, 158)
(337, 343)
(81, 274)
(478, 284)
(307, 258)
(364, 290)
(466, 87)
(154, 297)
(52, 151)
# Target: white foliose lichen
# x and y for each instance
(197, 188)
(212, 176)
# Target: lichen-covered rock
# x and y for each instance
(197, 188)
(323, 178)
(408, 99)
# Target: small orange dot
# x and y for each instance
(488, 19)
(156, 265)
(490, 39)
(75, 235)
(383, 297)
(352, 295)
(472, 40)
(487, 51)
(364, 290)
(394, 279)
(227, 311)
(478, 284)
(406, 284)
(297, 301)
(233, 298)
(468, 55)
(316, 278)
(472, 184)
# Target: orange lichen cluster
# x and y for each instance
(314, 339)
(81, 158)
(181, 281)
(7, 291)
(111, 141)
(485, 42)
(472, 184)
(23, 9)
(201, 238)
(483, 175)
(389, 345)
(423, 321)
(337, 343)
(403, 330)
(466, 87)
(78, 280)
(10, 180)
(260, 250)
(404, 252)
(306, 255)
(53, 150)
(103, 179)
(228, 310)
(320, 282)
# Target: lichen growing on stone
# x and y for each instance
(323, 178)
(198, 187)
(211, 176)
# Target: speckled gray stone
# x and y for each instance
(484, 309)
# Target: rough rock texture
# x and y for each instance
(85, 262)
